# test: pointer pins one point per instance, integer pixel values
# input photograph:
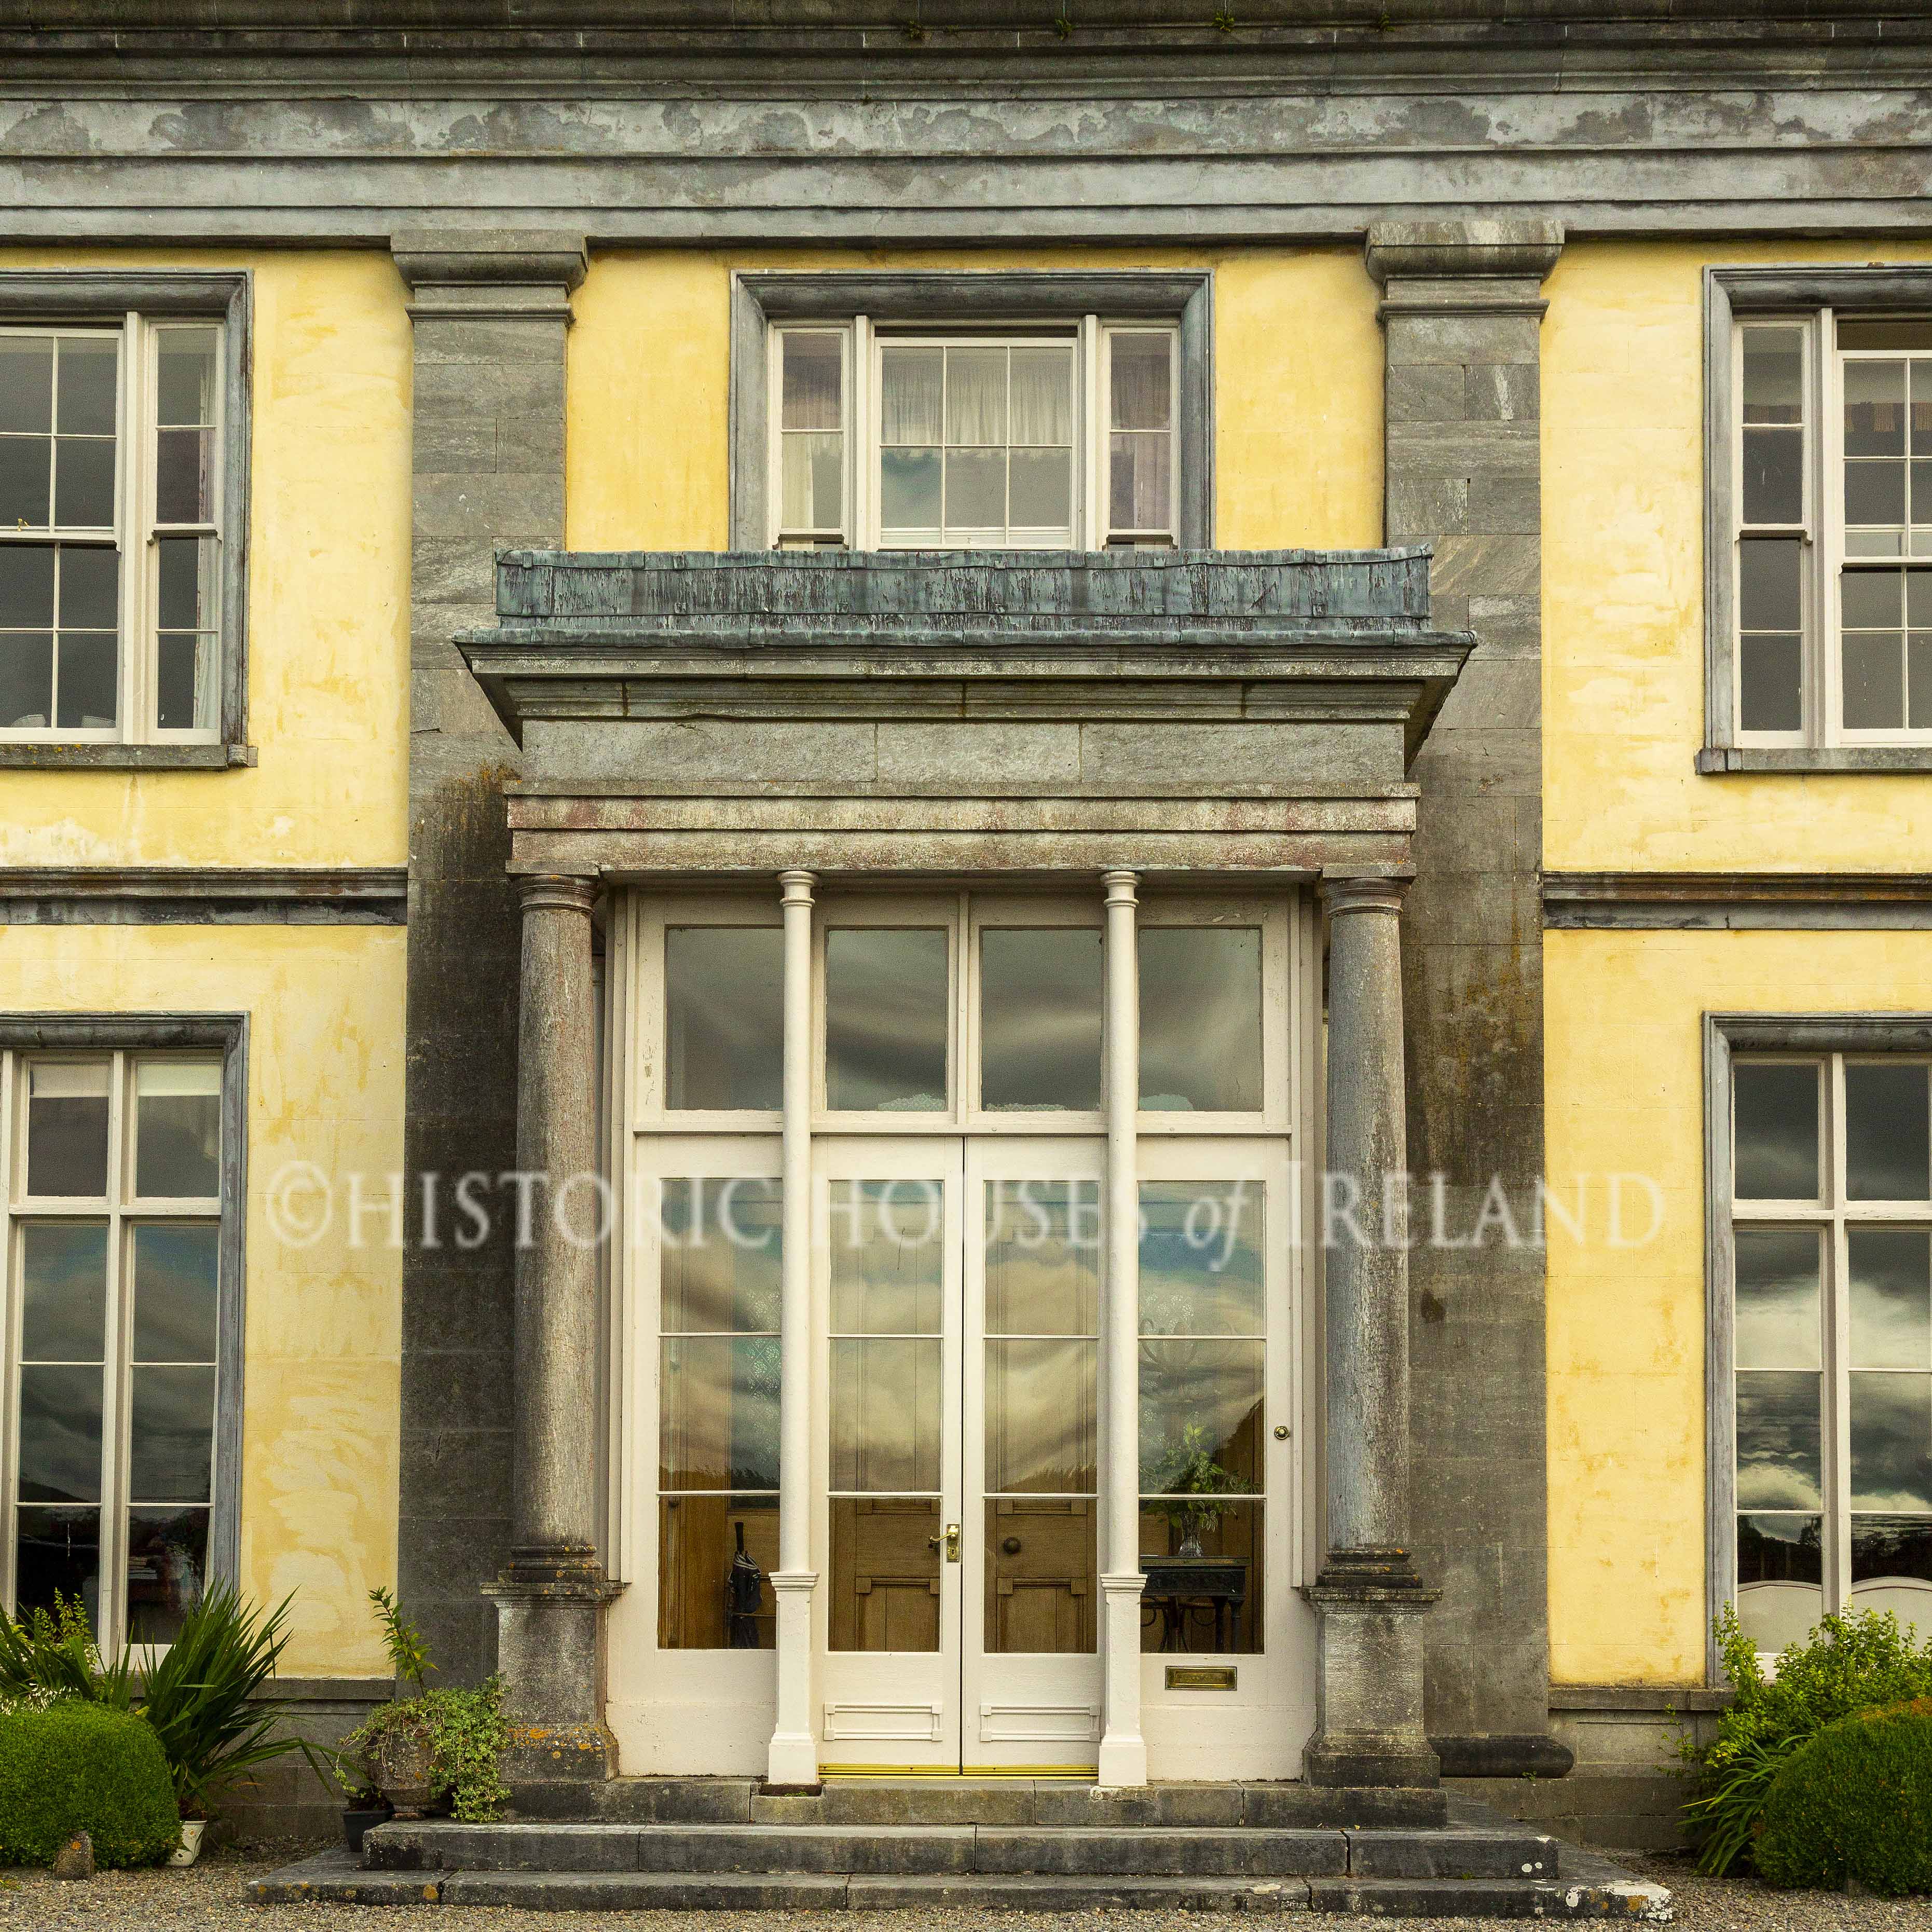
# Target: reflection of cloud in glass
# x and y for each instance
(1777, 1148)
(1200, 1018)
(1777, 1441)
(1887, 1128)
(1201, 1257)
(1891, 1442)
(64, 1277)
(724, 1017)
(886, 1412)
(1043, 1258)
(1891, 1298)
(887, 1257)
(1777, 1298)
(1040, 1026)
(1040, 1413)
(886, 1004)
(722, 1254)
(1199, 1398)
(718, 1426)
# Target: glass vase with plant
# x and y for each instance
(1187, 1480)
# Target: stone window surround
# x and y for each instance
(223, 295)
(1729, 293)
(1725, 1036)
(226, 1033)
(1184, 297)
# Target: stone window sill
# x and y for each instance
(1719, 761)
(125, 757)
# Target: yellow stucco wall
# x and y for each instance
(1298, 403)
(327, 600)
(1623, 680)
(1624, 1014)
(323, 1322)
(328, 711)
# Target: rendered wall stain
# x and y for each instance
(328, 599)
(1298, 401)
(1624, 600)
(323, 1326)
(1626, 1326)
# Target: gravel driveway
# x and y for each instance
(208, 1899)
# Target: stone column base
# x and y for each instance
(1369, 1606)
(550, 1649)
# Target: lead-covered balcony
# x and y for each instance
(1230, 712)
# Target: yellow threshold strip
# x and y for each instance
(970, 1774)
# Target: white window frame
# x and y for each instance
(862, 341)
(1814, 300)
(1831, 1042)
(124, 1044)
(136, 534)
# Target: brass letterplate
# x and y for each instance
(1201, 1677)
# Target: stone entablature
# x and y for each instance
(1203, 711)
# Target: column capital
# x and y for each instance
(1363, 893)
(557, 892)
(1452, 250)
(1123, 886)
(796, 887)
(489, 273)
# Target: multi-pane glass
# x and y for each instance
(1140, 439)
(886, 1259)
(811, 432)
(119, 1338)
(976, 443)
(1203, 1363)
(720, 1247)
(1832, 1252)
(59, 601)
(1772, 519)
(1042, 1250)
(186, 401)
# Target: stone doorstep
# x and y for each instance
(1598, 1894)
(1027, 1801)
(1490, 1850)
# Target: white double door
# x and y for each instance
(963, 1319)
(959, 1291)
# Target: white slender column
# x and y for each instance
(793, 1759)
(1123, 1749)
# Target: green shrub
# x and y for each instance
(1848, 1664)
(82, 1767)
(1854, 1803)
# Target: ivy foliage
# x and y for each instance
(465, 1734)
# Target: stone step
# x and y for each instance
(1157, 1851)
(334, 1877)
(1037, 1802)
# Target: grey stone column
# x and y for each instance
(1369, 1601)
(1461, 310)
(550, 1595)
(490, 312)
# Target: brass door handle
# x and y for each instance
(951, 1539)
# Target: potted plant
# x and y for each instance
(430, 1745)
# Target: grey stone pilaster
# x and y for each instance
(1461, 310)
(490, 312)
(1369, 1603)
